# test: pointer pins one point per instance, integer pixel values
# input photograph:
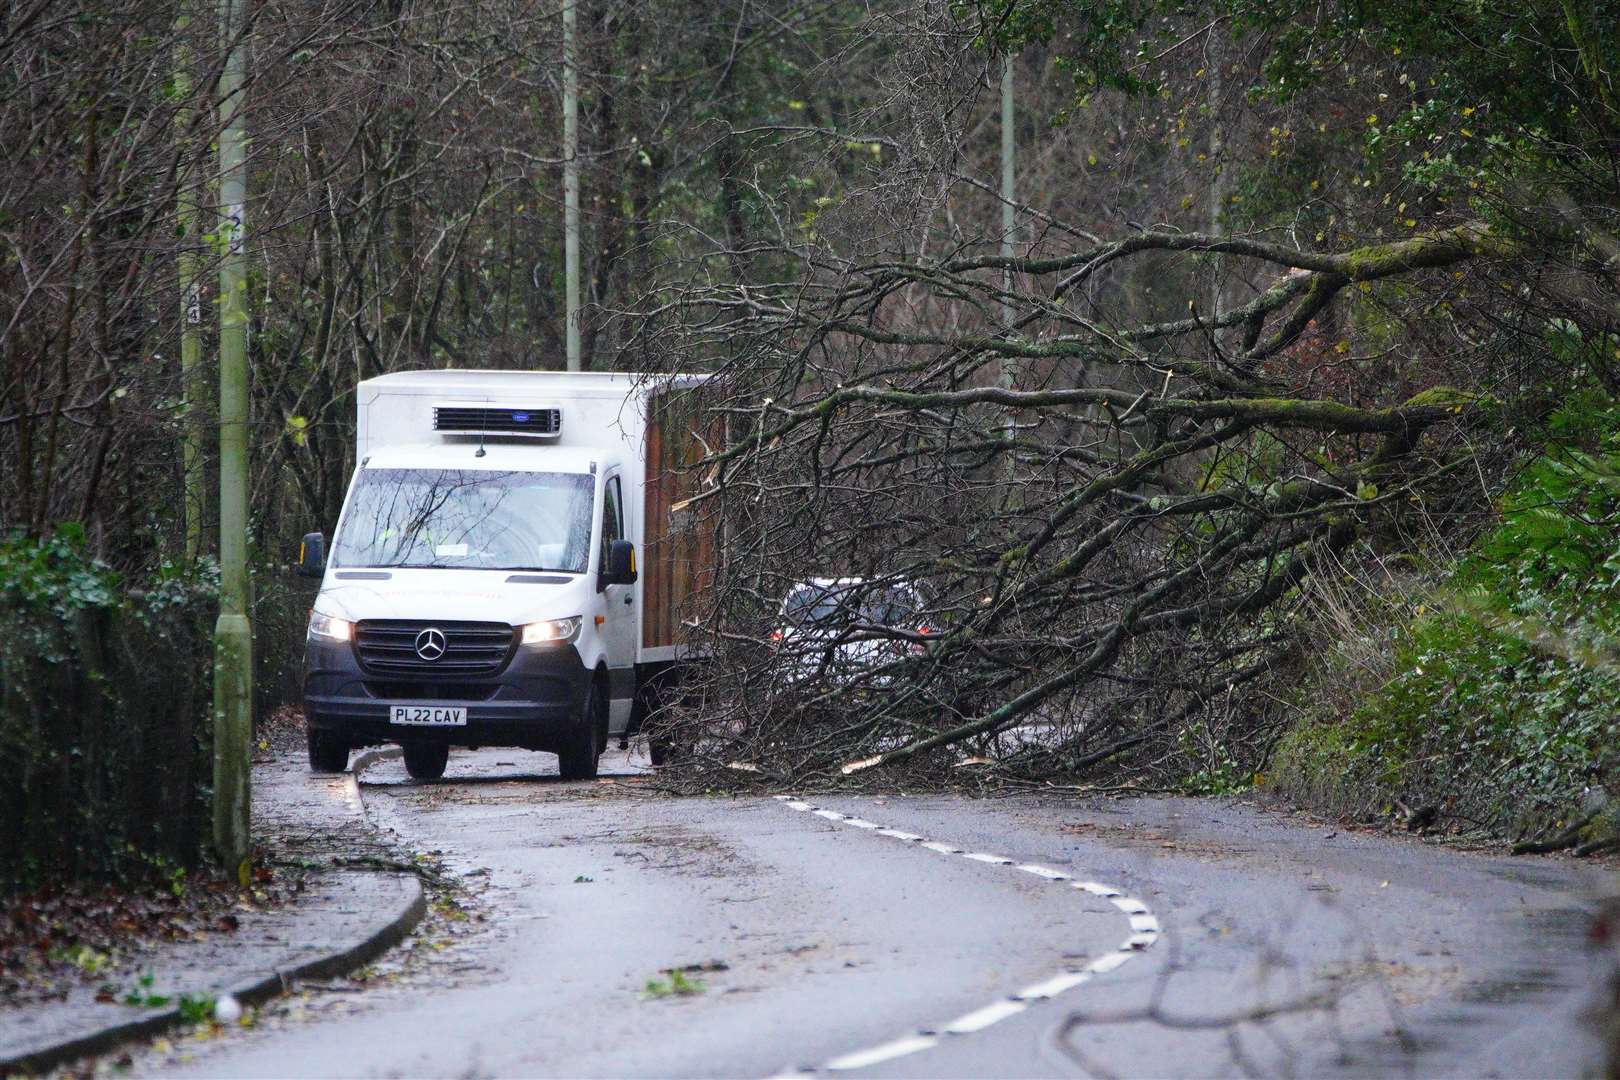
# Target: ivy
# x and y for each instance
(56, 574)
(1506, 700)
(103, 712)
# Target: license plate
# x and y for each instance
(428, 715)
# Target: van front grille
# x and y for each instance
(413, 648)
(392, 690)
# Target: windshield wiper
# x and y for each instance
(449, 566)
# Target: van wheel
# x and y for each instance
(576, 759)
(328, 752)
(426, 760)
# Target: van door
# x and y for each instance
(619, 629)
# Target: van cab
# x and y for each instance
(482, 584)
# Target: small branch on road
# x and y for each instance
(1597, 847)
(1566, 839)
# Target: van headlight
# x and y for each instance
(328, 628)
(552, 631)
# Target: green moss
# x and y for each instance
(1365, 262)
(1445, 397)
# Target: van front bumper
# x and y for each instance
(535, 702)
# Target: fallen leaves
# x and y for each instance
(57, 938)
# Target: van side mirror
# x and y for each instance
(312, 555)
(620, 567)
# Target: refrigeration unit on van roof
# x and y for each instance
(481, 418)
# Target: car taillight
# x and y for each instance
(776, 638)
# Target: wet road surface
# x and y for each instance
(854, 946)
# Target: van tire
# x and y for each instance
(426, 760)
(577, 758)
(328, 752)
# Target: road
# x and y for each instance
(1141, 937)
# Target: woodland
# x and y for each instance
(1263, 434)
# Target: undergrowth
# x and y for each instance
(1493, 695)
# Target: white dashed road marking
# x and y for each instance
(1144, 932)
(862, 1059)
(1109, 961)
(979, 1019)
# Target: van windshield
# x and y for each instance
(466, 520)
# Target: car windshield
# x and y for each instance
(810, 604)
(466, 520)
(829, 606)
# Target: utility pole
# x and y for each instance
(1009, 223)
(233, 636)
(1009, 219)
(188, 271)
(571, 182)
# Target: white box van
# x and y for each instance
(482, 587)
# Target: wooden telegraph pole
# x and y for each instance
(233, 636)
(571, 182)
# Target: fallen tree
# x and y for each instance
(1101, 524)
(1055, 495)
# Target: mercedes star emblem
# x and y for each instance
(430, 643)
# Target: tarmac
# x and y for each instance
(935, 935)
(919, 936)
(350, 912)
